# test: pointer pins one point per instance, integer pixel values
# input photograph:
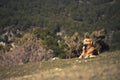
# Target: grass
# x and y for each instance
(103, 67)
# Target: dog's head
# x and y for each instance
(87, 41)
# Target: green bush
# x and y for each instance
(49, 39)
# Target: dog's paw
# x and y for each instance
(91, 56)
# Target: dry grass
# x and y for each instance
(103, 67)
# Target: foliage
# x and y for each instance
(72, 45)
(1, 47)
(80, 14)
(116, 41)
(49, 40)
(40, 44)
(31, 51)
(62, 46)
(98, 38)
(71, 15)
(39, 19)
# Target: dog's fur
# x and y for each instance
(87, 49)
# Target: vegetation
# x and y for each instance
(106, 67)
(25, 22)
(36, 37)
(70, 15)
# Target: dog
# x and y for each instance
(88, 49)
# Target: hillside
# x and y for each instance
(80, 15)
(68, 15)
(32, 32)
(103, 67)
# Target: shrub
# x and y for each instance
(72, 45)
(30, 51)
(98, 40)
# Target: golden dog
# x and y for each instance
(88, 48)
